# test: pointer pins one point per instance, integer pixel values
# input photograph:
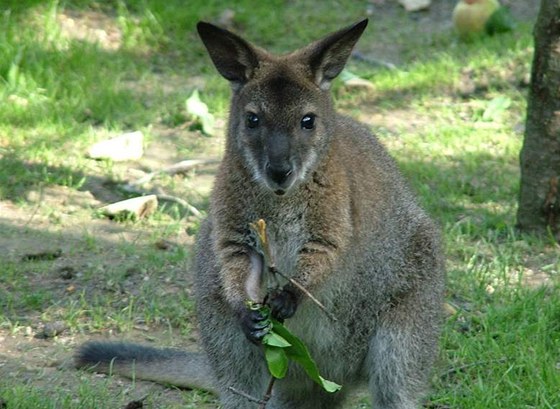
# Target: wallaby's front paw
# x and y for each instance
(255, 324)
(283, 303)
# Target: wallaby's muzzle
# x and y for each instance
(279, 160)
(279, 177)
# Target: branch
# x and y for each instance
(163, 196)
(179, 167)
(268, 393)
(259, 228)
(248, 397)
(304, 290)
(373, 61)
(130, 188)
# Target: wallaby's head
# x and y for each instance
(281, 117)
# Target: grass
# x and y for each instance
(452, 115)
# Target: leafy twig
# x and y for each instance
(259, 228)
(278, 355)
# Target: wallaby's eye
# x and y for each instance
(252, 120)
(308, 122)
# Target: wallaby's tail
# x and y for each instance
(167, 366)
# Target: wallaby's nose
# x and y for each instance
(279, 174)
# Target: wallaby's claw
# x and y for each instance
(283, 303)
(255, 324)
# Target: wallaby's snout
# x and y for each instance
(280, 170)
(280, 176)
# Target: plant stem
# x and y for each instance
(268, 393)
(304, 290)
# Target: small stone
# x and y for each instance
(359, 83)
(136, 404)
(51, 330)
(226, 18)
(67, 272)
(137, 207)
(128, 146)
(163, 244)
(449, 310)
(415, 5)
(17, 100)
(43, 255)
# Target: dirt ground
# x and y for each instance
(24, 354)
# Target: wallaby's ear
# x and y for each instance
(327, 57)
(234, 57)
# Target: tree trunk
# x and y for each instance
(539, 199)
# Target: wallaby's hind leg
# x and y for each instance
(298, 391)
(405, 341)
(309, 403)
(402, 351)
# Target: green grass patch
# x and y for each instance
(503, 352)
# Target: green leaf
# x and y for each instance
(346, 75)
(329, 386)
(199, 110)
(277, 361)
(281, 346)
(351, 79)
(501, 21)
(495, 108)
(275, 340)
(298, 352)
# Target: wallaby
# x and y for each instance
(341, 222)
